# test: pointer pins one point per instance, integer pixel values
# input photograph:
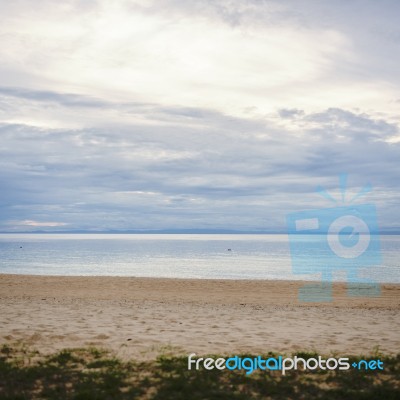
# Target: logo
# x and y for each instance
(331, 240)
(280, 363)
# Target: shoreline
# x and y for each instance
(183, 279)
(226, 291)
(139, 317)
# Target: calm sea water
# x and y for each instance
(172, 256)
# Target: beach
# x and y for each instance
(141, 317)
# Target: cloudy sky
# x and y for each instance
(184, 114)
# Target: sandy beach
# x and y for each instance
(141, 317)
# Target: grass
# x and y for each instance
(91, 373)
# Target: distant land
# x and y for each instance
(154, 231)
(394, 231)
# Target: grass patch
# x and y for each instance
(96, 374)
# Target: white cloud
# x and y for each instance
(148, 52)
(36, 224)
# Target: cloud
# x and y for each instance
(197, 114)
(193, 168)
(38, 224)
(225, 55)
(65, 99)
(290, 112)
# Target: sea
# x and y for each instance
(205, 256)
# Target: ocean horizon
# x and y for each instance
(201, 256)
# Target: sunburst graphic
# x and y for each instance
(343, 189)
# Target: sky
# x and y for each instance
(181, 114)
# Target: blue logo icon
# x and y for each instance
(342, 238)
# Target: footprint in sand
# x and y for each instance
(102, 336)
(36, 337)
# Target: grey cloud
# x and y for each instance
(149, 111)
(338, 124)
(65, 99)
(211, 168)
(290, 113)
(360, 122)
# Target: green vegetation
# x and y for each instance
(95, 374)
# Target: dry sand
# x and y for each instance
(142, 316)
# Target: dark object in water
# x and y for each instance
(229, 249)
